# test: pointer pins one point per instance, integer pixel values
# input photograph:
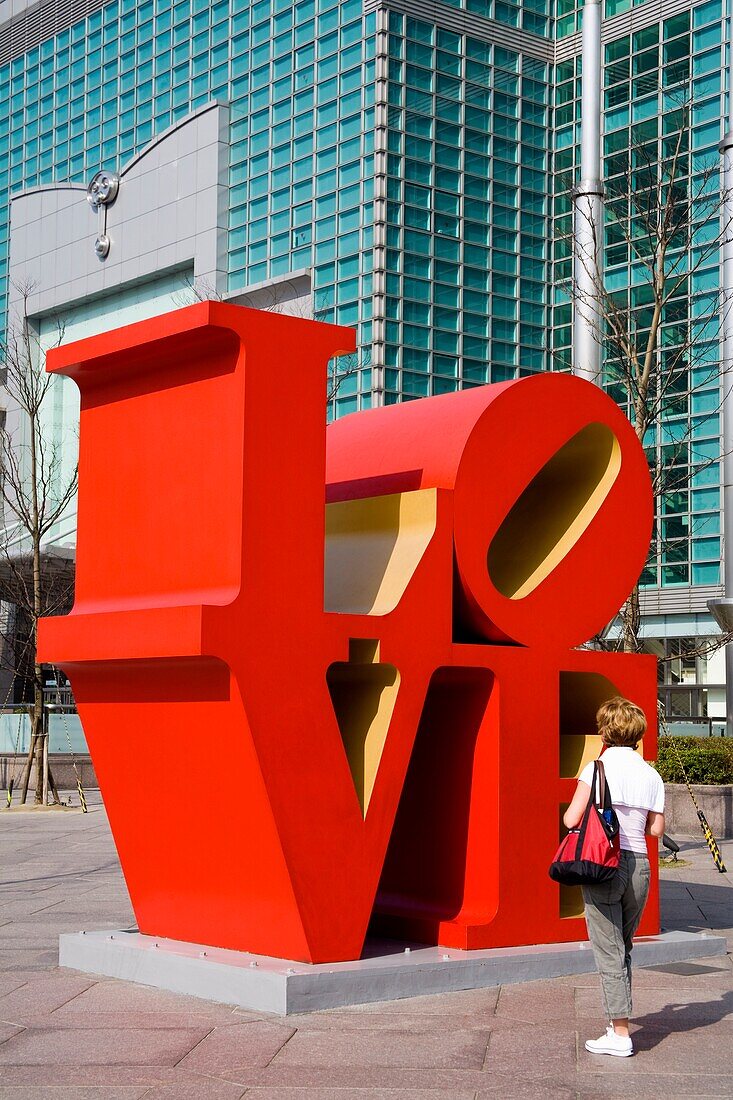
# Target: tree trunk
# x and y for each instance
(52, 784)
(27, 768)
(44, 794)
(631, 619)
(35, 533)
(38, 730)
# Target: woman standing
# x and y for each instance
(613, 908)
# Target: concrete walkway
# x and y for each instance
(64, 1035)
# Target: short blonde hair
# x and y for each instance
(621, 723)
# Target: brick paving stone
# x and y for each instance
(447, 1049)
(544, 1030)
(652, 1086)
(61, 1076)
(441, 1004)
(42, 994)
(22, 907)
(7, 1031)
(229, 1050)
(195, 1090)
(577, 981)
(524, 1002)
(61, 873)
(513, 1088)
(538, 1056)
(100, 1046)
(24, 935)
(121, 1004)
(10, 982)
(73, 1092)
(336, 1020)
(43, 960)
(345, 1075)
(269, 1093)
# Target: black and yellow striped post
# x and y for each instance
(82, 797)
(706, 830)
(712, 845)
(80, 789)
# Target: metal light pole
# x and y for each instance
(723, 609)
(588, 206)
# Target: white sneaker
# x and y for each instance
(611, 1043)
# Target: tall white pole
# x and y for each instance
(723, 609)
(588, 207)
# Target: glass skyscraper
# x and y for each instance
(416, 162)
(664, 95)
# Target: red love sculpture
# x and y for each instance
(326, 677)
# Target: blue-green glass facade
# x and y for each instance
(529, 15)
(429, 199)
(663, 97)
(569, 13)
(467, 211)
(300, 83)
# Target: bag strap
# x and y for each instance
(601, 771)
(588, 807)
(604, 795)
(599, 785)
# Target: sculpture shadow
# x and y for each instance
(705, 906)
(425, 867)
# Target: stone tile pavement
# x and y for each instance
(67, 1036)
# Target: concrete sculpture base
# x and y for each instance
(386, 972)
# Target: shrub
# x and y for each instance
(706, 760)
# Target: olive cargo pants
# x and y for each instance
(612, 913)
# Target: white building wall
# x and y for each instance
(167, 231)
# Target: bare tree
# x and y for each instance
(36, 490)
(667, 219)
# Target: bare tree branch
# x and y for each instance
(36, 493)
(667, 218)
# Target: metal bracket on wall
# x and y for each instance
(101, 193)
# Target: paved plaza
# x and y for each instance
(67, 1036)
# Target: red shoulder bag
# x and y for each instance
(590, 853)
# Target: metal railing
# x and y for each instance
(59, 694)
(19, 749)
(697, 727)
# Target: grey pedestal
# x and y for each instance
(386, 972)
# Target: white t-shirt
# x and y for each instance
(635, 788)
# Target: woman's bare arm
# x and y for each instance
(574, 813)
(654, 824)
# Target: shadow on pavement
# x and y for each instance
(694, 906)
(676, 1018)
(63, 876)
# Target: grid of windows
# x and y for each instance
(527, 15)
(569, 13)
(300, 82)
(468, 188)
(663, 98)
(467, 225)
(302, 161)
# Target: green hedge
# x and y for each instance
(705, 759)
